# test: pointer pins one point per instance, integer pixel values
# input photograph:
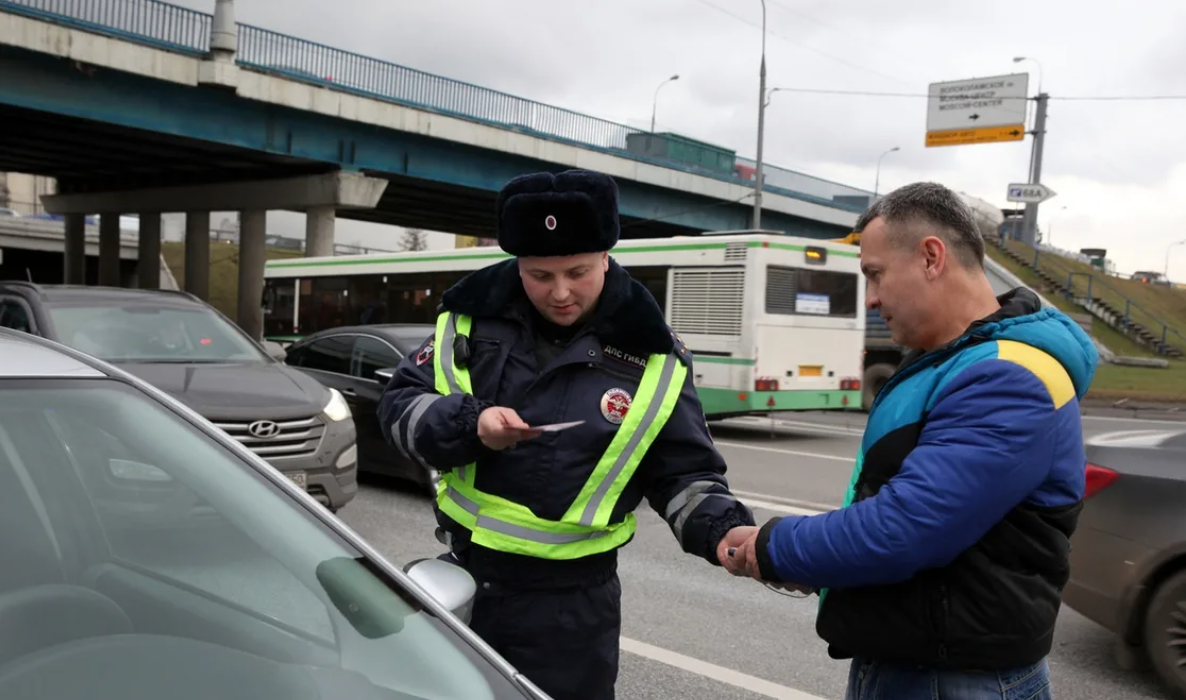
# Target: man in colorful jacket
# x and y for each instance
(943, 573)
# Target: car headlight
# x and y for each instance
(336, 409)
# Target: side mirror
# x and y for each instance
(449, 584)
(383, 376)
(275, 350)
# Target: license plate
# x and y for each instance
(298, 478)
(811, 370)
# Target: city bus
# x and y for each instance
(774, 322)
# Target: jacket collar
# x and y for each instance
(626, 316)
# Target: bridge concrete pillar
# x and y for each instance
(148, 267)
(197, 254)
(109, 273)
(319, 231)
(74, 269)
(252, 246)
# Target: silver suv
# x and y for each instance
(188, 349)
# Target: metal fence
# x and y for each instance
(155, 22)
(167, 25)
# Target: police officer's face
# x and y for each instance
(564, 289)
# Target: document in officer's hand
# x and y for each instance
(557, 427)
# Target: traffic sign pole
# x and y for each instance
(1030, 222)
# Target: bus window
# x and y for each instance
(799, 291)
(280, 298)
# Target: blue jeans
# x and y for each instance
(873, 680)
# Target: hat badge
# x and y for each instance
(550, 222)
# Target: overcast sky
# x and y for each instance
(1119, 167)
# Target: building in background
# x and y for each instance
(22, 193)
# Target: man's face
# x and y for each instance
(899, 283)
(564, 289)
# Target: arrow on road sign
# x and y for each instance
(974, 117)
(1029, 193)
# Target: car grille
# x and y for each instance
(290, 438)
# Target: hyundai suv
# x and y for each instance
(188, 349)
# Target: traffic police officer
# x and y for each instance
(559, 333)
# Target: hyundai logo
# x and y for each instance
(264, 429)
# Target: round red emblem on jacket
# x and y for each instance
(615, 403)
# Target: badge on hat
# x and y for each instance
(550, 222)
(615, 403)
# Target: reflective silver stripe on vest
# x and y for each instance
(466, 504)
(526, 533)
(417, 409)
(648, 418)
(446, 353)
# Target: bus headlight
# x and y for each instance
(336, 409)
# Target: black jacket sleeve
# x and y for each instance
(433, 430)
(684, 477)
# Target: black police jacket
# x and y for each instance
(681, 475)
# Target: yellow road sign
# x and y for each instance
(962, 137)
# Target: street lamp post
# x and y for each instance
(655, 104)
(877, 180)
(761, 127)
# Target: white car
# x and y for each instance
(144, 554)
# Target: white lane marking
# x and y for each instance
(779, 450)
(728, 676)
(787, 426)
(1117, 419)
(778, 507)
(795, 502)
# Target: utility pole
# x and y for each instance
(1029, 229)
(761, 127)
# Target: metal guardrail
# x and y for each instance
(169, 26)
(151, 21)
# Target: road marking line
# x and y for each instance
(778, 507)
(1118, 419)
(797, 503)
(788, 427)
(780, 450)
(728, 676)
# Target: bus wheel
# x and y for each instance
(875, 378)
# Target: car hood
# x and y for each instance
(236, 390)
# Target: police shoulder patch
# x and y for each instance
(425, 353)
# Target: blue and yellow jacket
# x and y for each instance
(952, 547)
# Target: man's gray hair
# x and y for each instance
(932, 204)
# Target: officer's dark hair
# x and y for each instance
(936, 207)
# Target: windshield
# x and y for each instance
(142, 560)
(147, 333)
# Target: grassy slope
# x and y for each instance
(1115, 381)
(224, 271)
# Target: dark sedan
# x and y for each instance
(347, 358)
(1128, 558)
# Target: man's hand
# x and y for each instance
(499, 428)
(732, 540)
(738, 554)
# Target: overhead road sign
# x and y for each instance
(1029, 193)
(979, 110)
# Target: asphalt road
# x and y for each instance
(691, 631)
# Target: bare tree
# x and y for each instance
(414, 239)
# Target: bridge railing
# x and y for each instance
(159, 23)
(149, 21)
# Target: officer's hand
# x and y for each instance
(499, 428)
